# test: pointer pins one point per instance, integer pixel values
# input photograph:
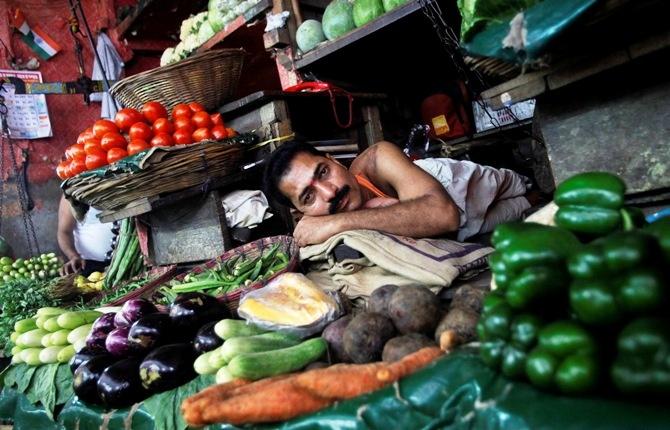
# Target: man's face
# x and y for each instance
(320, 185)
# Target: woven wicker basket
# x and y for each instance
(209, 78)
(250, 250)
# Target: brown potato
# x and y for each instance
(379, 299)
(400, 346)
(468, 297)
(458, 326)
(414, 309)
(333, 334)
(365, 337)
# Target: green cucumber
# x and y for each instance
(31, 356)
(228, 329)
(215, 359)
(59, 338)
(46, 340)
(25, 325)
(80, 332)
(202, 364)
(49, 355)
(65, 354)
(49, 311)
(31, 339)
(51, 325)
(72, 320)
(40, 320)
(16, 350)
(259, 343)
(15, 335)
(258, 365)
(223, 375)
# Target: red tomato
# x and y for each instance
(96, 159)
(181, 110)
(92, 145)
(183, 136)
(85, 135)
(162, 125)
(68, 152)
(136, 146)
(112, 140)
(217, 119)
(231, 132)
(219, 132)
(127, 117)
(141, 131)
(183, 122)
(196, 107)
(77, 150)
(201, 120)
(104, 126)
(202, 134)
(153, 110)
(115, 154)
(61, 169)
(77, 165)
(162, 139)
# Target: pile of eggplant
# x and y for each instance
(139, 351)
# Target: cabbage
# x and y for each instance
(205, 33)
(167, 56)
(219, 11)
(185, 28)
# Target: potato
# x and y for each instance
(379, 299)
(468, 297)
(317, 365)
(333, 334)
(414, 309)
(458, 326)
(400, 346)
(365, 337)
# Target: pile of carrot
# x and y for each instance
(288, 396)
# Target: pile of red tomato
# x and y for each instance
(134, 131)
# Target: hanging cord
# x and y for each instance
(450, 43)
(28, 226)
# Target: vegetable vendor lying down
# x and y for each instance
(383, 190)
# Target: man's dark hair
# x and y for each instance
(278, 166)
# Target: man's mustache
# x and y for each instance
(337, 199)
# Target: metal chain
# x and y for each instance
(3, 132)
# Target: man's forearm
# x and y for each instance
(423, 217)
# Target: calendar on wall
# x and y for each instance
(28, 117)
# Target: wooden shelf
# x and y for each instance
(236, 24)
(329, 47)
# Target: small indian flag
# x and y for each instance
(35, 37)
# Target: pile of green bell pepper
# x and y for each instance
(528, 265)
(661, 231)
(617, 276)
(592, 204)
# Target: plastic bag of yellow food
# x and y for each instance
(290, 303)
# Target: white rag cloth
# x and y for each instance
(485, 196)
(113, 65)
(245, 208)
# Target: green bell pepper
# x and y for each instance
(505, 337)
(642, 365)
(529, 262)
(615, 276)
(661, 230)
(590, 203)
(565, 358)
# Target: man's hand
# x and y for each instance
(311, 230)
(74, 265)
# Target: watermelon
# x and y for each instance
(367, 10)
(392, 4)
(309, 34)
(338, 19)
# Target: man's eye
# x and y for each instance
(309, 197)
(323, 172)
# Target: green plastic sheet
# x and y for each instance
(456, 392)
(544, 21)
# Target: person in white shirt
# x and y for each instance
(86, 244)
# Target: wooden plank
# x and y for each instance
(373, 124)
(135, 208)
(277, 38)
(130, 19)
(329, 47)
(236, 24)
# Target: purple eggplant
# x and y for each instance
(118, 345)
(119, 385)
(190, 311)
(168, 367)
(133, 310)
(96, 342)
(206, 339)
(85, 379)
(150, 331)
(83, 356)
(104, 324)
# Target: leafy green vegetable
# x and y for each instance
(165, 407)
(63, 383)
(49, 384)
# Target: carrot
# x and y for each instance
(288, 396)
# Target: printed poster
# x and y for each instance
(28, 117)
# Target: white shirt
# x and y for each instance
(93, 239)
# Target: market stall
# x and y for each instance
(210, 315)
